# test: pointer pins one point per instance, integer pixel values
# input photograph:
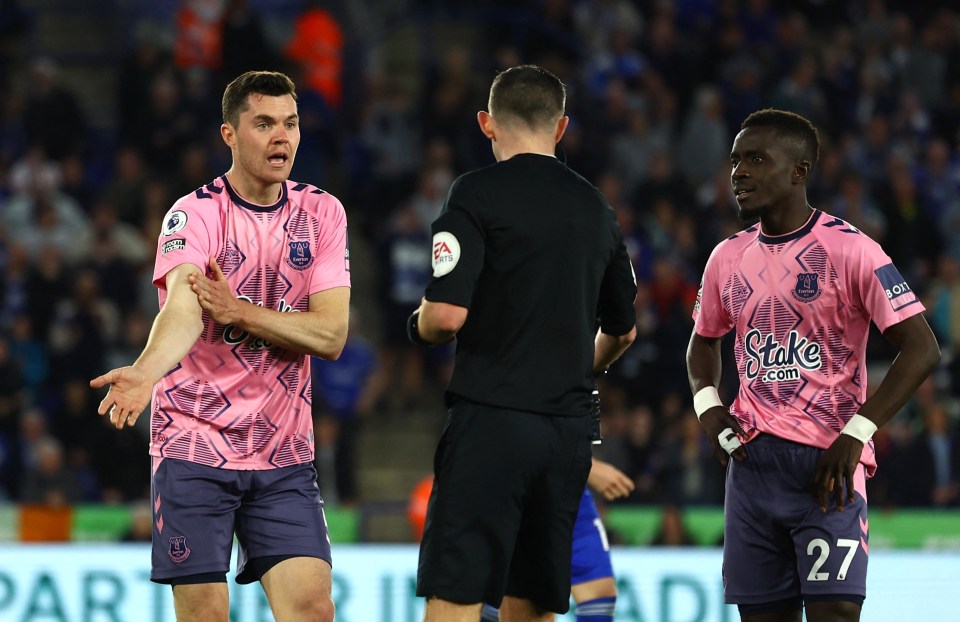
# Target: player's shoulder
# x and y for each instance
(311, 198)
(735, 243)
(213, 192)
(839, 237)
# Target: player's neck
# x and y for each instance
(252, 190)
(782, 222)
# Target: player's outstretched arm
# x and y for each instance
(703, 374)
(175, 330)
(919, 356)
(608, 480)
(320, 332)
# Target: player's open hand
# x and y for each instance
(215, 295)
(129, 394)
(834, 473)
(725, 433)
(609, 481)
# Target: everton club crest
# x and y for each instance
(300, 257)
(179, 551)
(807, 288)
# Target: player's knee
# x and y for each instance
(312, 610)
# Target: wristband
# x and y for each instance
(705, 399)
(860, 428)
(413, 330)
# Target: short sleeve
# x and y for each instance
(458, 251)
(188, 235)
(884, 292)
(710, 317)
(618, 293)
(332, 268)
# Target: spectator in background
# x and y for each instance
(198, 33)
(933, 462)
(345, 392)
(53, 117)
(672, 530)
(317, 46)
(39, 214)
(48, 481)
(244, 43)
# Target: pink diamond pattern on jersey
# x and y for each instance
(237, 401)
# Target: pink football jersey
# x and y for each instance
(801, 304)
(236, 401)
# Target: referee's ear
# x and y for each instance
(561, 128)
(487, 125)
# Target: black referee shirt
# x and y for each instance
(534, 252)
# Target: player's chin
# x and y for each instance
(747, 214)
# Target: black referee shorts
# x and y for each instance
(505, 496)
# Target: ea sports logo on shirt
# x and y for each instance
(300, 257)
(807, 288)
(446, 253)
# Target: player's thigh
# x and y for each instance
(759, 560)
(591, 549)
(202, 602)
(831, 550)
(281, 517)
(194, 509)
(832, 611)
(299, 589)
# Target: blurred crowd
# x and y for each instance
(387, 95)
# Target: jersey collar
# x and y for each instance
(793, 235)
(239, 200)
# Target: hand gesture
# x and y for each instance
(129, 394)
(609, 481)
(834, 472)
(215, 295)
(725, 433)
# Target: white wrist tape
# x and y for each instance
(705, 399)
(860, 428)
(729, 440)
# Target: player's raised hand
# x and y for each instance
(215, 295)
(609, 481)
(725, 433)
(129, 394)
(834, 472)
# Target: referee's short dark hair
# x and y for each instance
(529, 94)
(791, 126)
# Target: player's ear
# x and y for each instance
(801, 172)
(228, 135)
(487, 124)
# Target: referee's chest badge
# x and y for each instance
(446, 253)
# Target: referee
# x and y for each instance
(527, 260)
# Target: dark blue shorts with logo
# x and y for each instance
(198, 509)
(778, 545)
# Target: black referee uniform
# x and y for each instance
(533, 251)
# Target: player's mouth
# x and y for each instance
(278, 160)
(742, 194)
